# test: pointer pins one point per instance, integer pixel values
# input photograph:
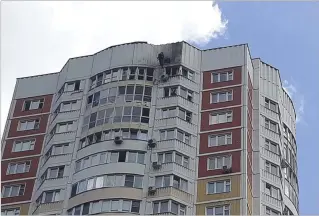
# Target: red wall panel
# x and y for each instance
(205, 116)
(27, 194)
(18, 110)
(206, 98)
(9, 145)
(202, 165)
(207, 84)
(13, 131)
(32, 172)
(236, 141)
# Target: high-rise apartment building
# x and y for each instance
(152, 129)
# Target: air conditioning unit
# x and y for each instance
(156, 165)
(151, 190)
(118, 140)
(151, 143)
(164, 77)
(226, 170)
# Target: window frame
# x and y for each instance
(226, 183)
(73, 106)
(169, 207)
(227, 136)
(269, 123)
(22, 188)
(40, 105)
(35, 127)
(269, 103)
(162, 155)
(226, 207)
(176, 131)
(16, 211)
(31, 145)
(216, 161)
(69, 127)
(26, 167)
(56, 196)
(229, 94)
(58, 172)
(228, 114)
(229, 74)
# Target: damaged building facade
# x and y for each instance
(152, 129)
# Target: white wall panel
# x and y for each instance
(79, 68)
(122, 55)
(223, 58)
(36, 85)
(102, 61)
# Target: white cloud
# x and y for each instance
(289, 88)
(39, 37)
(297, 98)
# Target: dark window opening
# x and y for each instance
(122, 156)
(77, 85)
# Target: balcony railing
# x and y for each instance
(175, 144)
(276, 180)
(272, 135)
(178, 101)
(174, 168)
(176, 122)
(271, 156)
(48, 207)
(269, 113)
(175, 80)
(174, 192)
(272, 201)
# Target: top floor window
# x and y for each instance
(72, 86)
(120, 94)
(33, 104)
(222, 77)
(271, 105)
(122, 74)
(28, 125)
(180, 71)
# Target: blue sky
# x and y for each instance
(286, 35)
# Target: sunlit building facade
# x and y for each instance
(152, 129)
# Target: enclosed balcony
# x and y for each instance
(168, 192)
(169, 168)
(272, 202)
(177, 101)
(175, 144)
(175, 122)
(270, 156)
(271, 178)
